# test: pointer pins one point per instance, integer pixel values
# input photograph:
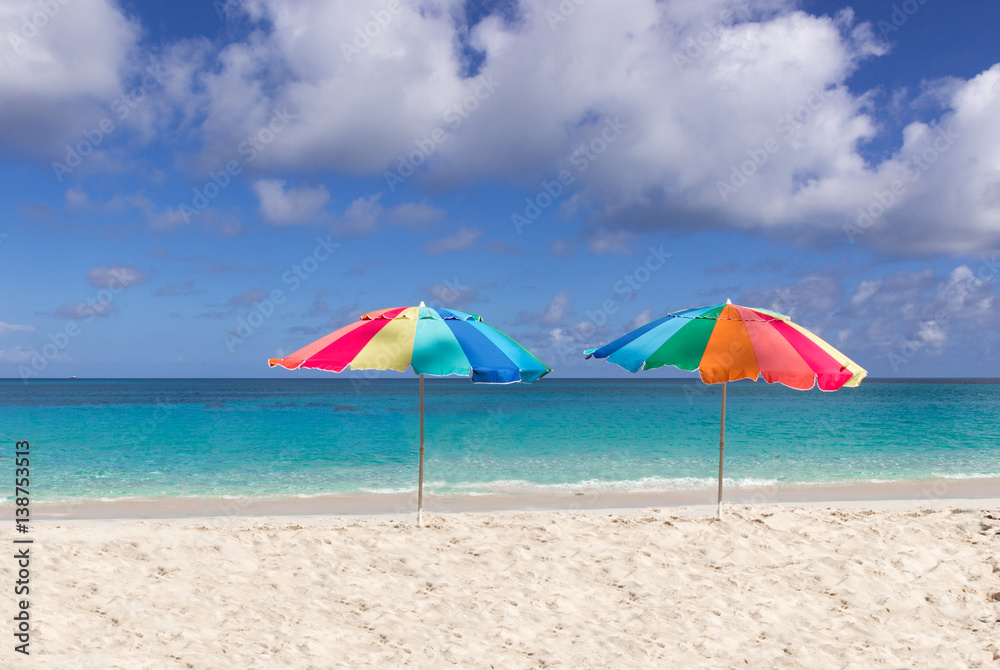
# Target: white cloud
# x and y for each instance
(353, 116)
(641, 319)
(892, 319)
(946, 178)
(247, 298)
(59, 73)
(361, 216)
(168, 219)
(558, 311)
(666, 114)
(610, 242)
(453, 295)
(415, 215)
(21, 356)
(816, 295)
(85, 310)
(115, 275)
(461, 239)
(282, 207)
(76, 198)
(8, 328)
(769, 83)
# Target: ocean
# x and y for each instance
(277, 438)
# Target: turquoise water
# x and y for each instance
(110, 439)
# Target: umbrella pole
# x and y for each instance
(420, 481)
(722, 447)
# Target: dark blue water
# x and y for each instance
(107, 439)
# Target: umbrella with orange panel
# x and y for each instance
(729, 342)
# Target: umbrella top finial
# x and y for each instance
(728, 301)
(422, 304)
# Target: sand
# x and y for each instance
(930, 493)
(769, 586)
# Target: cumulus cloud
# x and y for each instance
(60, 71)
(247, 298)
(665, 115)
(905, 315)
(8, 328)
(283, 206)
(212, 220)
(641, 319)
(662, 115)
(166, 219)
(19, 355)
(557, 335)
(360, 217)
(557, 312)
(610, 242)
(461, 239)
(887, 321)
(319, 307)
(116, 276)
(85, 310)
(415, 215)
(941, 191)
(76, 198)
(453, 295)
(819, 293)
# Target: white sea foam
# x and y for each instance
(646, 484)
(524, 487)
(409, 489)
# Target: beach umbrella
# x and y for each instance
(431, 340)
(729, 342)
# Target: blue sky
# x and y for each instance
(192, 188)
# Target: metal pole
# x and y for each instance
(722, 447)
(420, 483)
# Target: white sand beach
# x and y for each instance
(914, 585)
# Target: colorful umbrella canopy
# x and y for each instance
(729, 342)
(432, 341)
